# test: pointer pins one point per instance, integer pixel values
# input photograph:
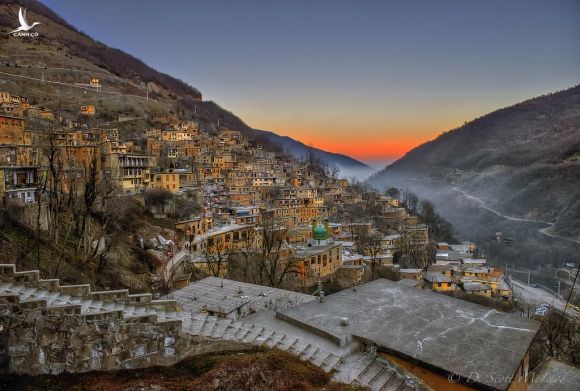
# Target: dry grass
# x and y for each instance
(256, 371)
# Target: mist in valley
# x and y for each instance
(518, 245)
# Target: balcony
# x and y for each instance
(21, 186)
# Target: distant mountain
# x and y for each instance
(299, 149)
(60, 45)
(522, 161)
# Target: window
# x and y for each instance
(439, 285)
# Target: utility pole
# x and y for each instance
(529, 272)
(558, 287)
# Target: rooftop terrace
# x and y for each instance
(223, 296)
(441, 333)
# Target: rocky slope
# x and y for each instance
(65, 54)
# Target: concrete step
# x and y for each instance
(291, 348)
(319, 357)
(298, 347)
(361, 365)
(220, 328)
(287, 342)
(208, 326)
(274, 339)
(243, 332)
(51, 297)
(310, 352)
(394, 384)
(232, 330)
(264, 336)
(370, 372)
(186, 323)
(196, 325)
(26, 293)
(331, 362)
(382, 378)
(7, 287)
(252, 334)
(377, 375)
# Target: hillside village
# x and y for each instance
(152, 240)
(232, 204)
(247, 246)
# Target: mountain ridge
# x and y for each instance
(522, 160)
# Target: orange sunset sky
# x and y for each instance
(371, 79)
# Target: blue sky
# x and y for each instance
(368, 78)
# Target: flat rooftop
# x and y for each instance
(314, 250)
(225, 296)
(409, 283)
(432, 330)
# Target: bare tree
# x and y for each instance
(102, 235)
(558, 337)
(216, 257)
(410, 201)
(332, 171)
(392, 192)
(275, 263)
(244, 265)
(369, 243)
(413, 251)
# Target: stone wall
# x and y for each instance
(56, 340)
(36, 338)
(28, 214)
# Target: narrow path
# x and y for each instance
(116, 93)
(176, 259)
(544, 230)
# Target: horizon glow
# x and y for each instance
(368, 79)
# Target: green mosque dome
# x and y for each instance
(319, 233)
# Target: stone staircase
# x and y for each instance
(26, 288)
(227, 329)
(29, 291)
(378, 375)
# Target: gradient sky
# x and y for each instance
(371, 79)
